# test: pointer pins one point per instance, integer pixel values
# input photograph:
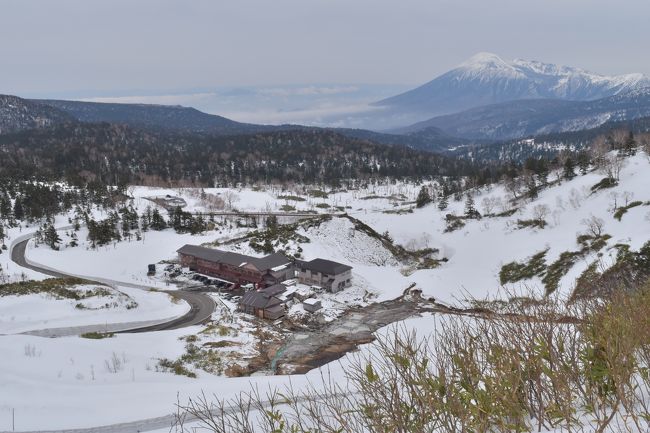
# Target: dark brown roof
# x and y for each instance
(234, 259)
(325, 266)
(275, 290)
(260, 299)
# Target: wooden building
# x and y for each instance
(237, 268)
(264, 303)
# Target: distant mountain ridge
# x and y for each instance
(487, 79)
(17, 114)
(190, 120)
(158, 117)
(515, 119)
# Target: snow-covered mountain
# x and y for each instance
(488, 79)
(522, 118)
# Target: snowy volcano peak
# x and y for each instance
(485, 60)
(487, 78)
(485, 66)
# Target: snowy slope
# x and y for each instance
(64, 383)
(477, 252)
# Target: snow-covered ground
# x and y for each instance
(477, 252)
(41, 311)
(273, 198)
(125, 261)
(66, 382)
(73, 382)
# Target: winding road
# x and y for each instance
(201, 305)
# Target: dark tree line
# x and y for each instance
(118, 155)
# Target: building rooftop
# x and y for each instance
(311, 301)
(259, 299)
(324, 266)
(271, 261)
(274, 290)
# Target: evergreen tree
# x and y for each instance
(74, 241)
(583, 162)
(423, 198)
(542, 172)
(51, 237)
(157, 221)
(144, 223)
(569, 169)
(126, 228)
(19, 213)
(5, 208)
(470, 208)
(267, 247)
(197, 225)
(629, 146)
(532, 188)
(443, 202)
(272, 223)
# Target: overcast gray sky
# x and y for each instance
(120, 46)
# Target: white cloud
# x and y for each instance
(180, 99)
(323, 115)
(308, 91)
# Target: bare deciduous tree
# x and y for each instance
(594, 226)
(612, 166)
(644, 142)
(598, 149)
(230, 197)
(627, 197)
(540, 212)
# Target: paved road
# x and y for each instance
(201, 306)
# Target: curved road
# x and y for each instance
(201, 305)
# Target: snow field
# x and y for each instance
(50, 386)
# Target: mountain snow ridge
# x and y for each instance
(486, 66)
(486, 79)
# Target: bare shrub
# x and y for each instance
(115, 364)
(30, 351)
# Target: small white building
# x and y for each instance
(312, 305)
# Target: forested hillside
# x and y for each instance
(17, 114)
(117, 154)
(153, 117)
